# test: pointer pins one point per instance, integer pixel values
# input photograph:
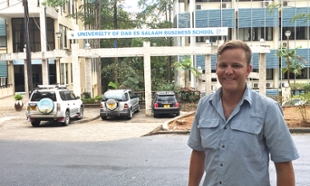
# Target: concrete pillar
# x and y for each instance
(276, 78)
(26, 80)
(147, 79)
(43, 29)
(76, 70)
(64, 68)
(262, 73)
(208, 74)
(11, 78)
(45, 74)
(88, 75)
(58, 71)
(193, 39)
(69, 70)
(45, 69)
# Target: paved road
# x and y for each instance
(150, 161)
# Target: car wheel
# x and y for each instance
(177, 114)
(104, 117)
(155, 115)
(81, 114)
(35, 123)
(130, 114)
(67, 119)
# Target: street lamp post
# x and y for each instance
(288, 34)
(58, 34)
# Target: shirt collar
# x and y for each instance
(247, 96)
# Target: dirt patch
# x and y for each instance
(292, 115)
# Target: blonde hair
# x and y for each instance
(236, 44)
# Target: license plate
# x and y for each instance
(33, 108)
(166, 106)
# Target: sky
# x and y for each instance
(132, 5)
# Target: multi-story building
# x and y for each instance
(47, 32)
(252, 22)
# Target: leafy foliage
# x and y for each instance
(296, 62)
(303, 15)
(188, 96)
(18, 97)
(86, 95)
(94, 100)
(186, 65)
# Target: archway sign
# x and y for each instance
(146, 51)
(142, 33)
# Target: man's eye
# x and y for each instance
(222, 66)
(236, 66)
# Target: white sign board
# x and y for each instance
(177, 32)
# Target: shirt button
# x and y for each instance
(225, 128)
(221, 164)
(223, 146)
(220, 182)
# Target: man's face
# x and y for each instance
(232, 70)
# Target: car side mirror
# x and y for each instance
(77, 97)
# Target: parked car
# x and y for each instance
(295, 102)
(53, 102)
(165, 102)
(119, 103)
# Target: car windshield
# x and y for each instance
(166, 98)
(116, 96)
(37, 96)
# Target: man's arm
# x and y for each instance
(285, 174)
(196, 167)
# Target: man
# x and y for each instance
(236, 129)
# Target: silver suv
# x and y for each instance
(53, 102)
(119, 103)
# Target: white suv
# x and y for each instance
(53, 102)
(119, 103)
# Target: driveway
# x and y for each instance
(17, 128)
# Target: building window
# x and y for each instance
(2, 41)
(269, 74)
(19, 37)
(255, 34)
(297, 33)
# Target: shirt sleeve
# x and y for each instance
(194, 140)
(277, 135)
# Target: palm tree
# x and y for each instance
(186, 65)
(295, 61)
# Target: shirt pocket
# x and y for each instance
(246, 138)
(209, 133)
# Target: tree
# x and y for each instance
(186, 65)
(303, 15)
(157, 14)
(295, 61)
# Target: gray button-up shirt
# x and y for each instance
(237, 149)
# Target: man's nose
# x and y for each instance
(229, 70)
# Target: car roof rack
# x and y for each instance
(51, 87)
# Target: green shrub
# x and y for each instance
(86, 95)
(18, 97)
(96, 99)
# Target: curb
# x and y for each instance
(84, 120)
(299, 130)
(166, 123)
